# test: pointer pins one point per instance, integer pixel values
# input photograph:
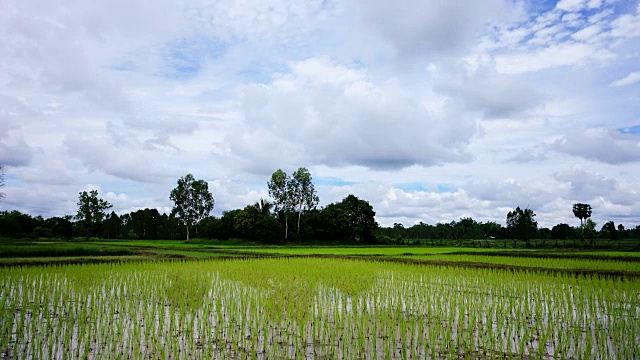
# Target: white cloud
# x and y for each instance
(99, 154)
(527, 155)
(260, 18)
(393, 204)
(601, 15)
(324, 113)
(46, 200)
(511, 192)
(594, 4)
(229, 194)
(585, 185)
(604, 145)
(627, 25)
(570, 54)
(15, 152)
(431, 110)
(49, 170)
(578, 5)
(587, 33)
(630, 79)
(430, 29)
(495, 95)
(571, 5)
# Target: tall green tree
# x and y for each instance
(280, 192)
(303, 192)
(91, 211)
(522, 225)
(192, 200)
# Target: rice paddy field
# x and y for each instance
(319, 307)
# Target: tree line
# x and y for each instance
(292, 214)
(520, 226)
(294, 199)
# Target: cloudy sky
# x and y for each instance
(431, 110)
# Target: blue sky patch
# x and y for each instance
(411, 187)
(131, 188)
(633, 130)
(447, 188)
(185, 57)
(538, 8)
(261, 72)
(330, 181)
(125, 66)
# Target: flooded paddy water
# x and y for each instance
(314, 309)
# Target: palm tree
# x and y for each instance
(264, 207)
(582, 211)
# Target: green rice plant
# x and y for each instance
(535, 262)
(312, 307)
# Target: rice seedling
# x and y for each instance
(312, 308)
(532, 262)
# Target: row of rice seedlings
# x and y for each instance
(312, 308)
(553, 263)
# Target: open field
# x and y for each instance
(177, 300)
(573, 261)
(315, 308)
(534, 262)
